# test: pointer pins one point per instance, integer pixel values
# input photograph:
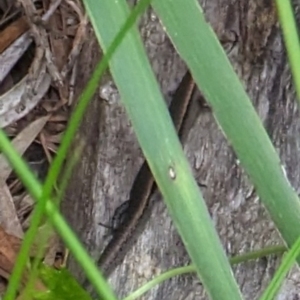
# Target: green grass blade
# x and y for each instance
(85, 97)
(291, 38)
(199, 47)
(191, 269)
(287, 263)
(153, 126)
(71, 241)
(42, 195)
(29, 180)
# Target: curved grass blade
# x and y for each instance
(155, 132)
(199, 47)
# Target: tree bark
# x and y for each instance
(103, 177)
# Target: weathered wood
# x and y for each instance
(103, 178)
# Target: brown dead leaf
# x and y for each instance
(55, 138)
(9, 247)
(21, 142)
(12, 32)
(52, 147)
(25, 207)
(8, 214)
(59, 118)
(60, 45)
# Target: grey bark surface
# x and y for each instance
(112, 157)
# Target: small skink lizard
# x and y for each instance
(142, 189)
